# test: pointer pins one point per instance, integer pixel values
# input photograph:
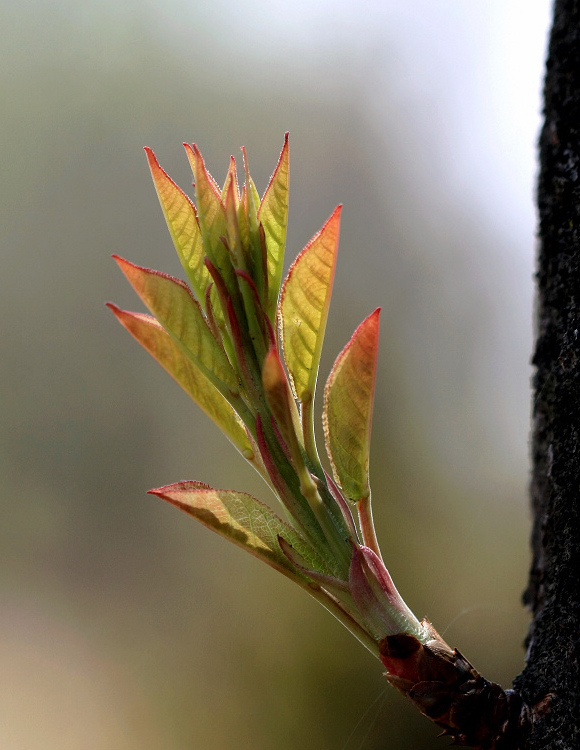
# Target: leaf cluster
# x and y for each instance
(245, 345)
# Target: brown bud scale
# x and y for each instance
(445, 687)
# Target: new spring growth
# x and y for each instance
(245, 346)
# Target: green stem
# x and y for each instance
(307, 416)
(343, 616)
(367, 527)
(338, 544)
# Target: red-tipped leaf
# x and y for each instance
(172, 303)
(183, 226)
(273, 215)
(211, 212)
(245, 521)
(155, 339)
(348, 409)
(303, 306)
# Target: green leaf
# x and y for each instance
(273, 215)
(253, 201)
(232, 229)
(348, 408)
(303, 307)
(253, 196)
(255, 254)
(155, 339)
(245, 521)
(172, 303)
(211, 213)
(183, 226)
(243, 224)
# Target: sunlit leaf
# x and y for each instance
(253, 198)
(232, 230)
(303, 306)
(183, 225)
(155, 339)
(255, 250)
(242, 519)
(243, 225)
(172, 303)
(210, 209)
(280, 401)
(348, 408)
(253, 195)
(273, 215)
(231, 178)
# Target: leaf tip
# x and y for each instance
(272, 371)
(330, 226)
(169, 489)
(120, 261)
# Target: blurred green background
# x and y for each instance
(123, 624)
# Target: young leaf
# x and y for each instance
(232, 229)
(171, 302)
(155, 339)
(231, 178)
(183, 226)
(303, 306)
(281, 403)
(273, 215)
(253, 196)
(256, 262)
(210, 209)
(245, 521)
(348, 407)
(243, 224)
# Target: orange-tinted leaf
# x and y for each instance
(273, 215)
(348, 408)
(155, 339)
(172, 303)
(183, 226)
(303, 306)
(243, 520)
(281, 402)
(231, 178)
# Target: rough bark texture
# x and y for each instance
(553, 594)
(542, 712)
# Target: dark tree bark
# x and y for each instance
(542, 711)
(552, 673)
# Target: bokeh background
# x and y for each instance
(123, 624)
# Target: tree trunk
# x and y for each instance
(552, 673)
